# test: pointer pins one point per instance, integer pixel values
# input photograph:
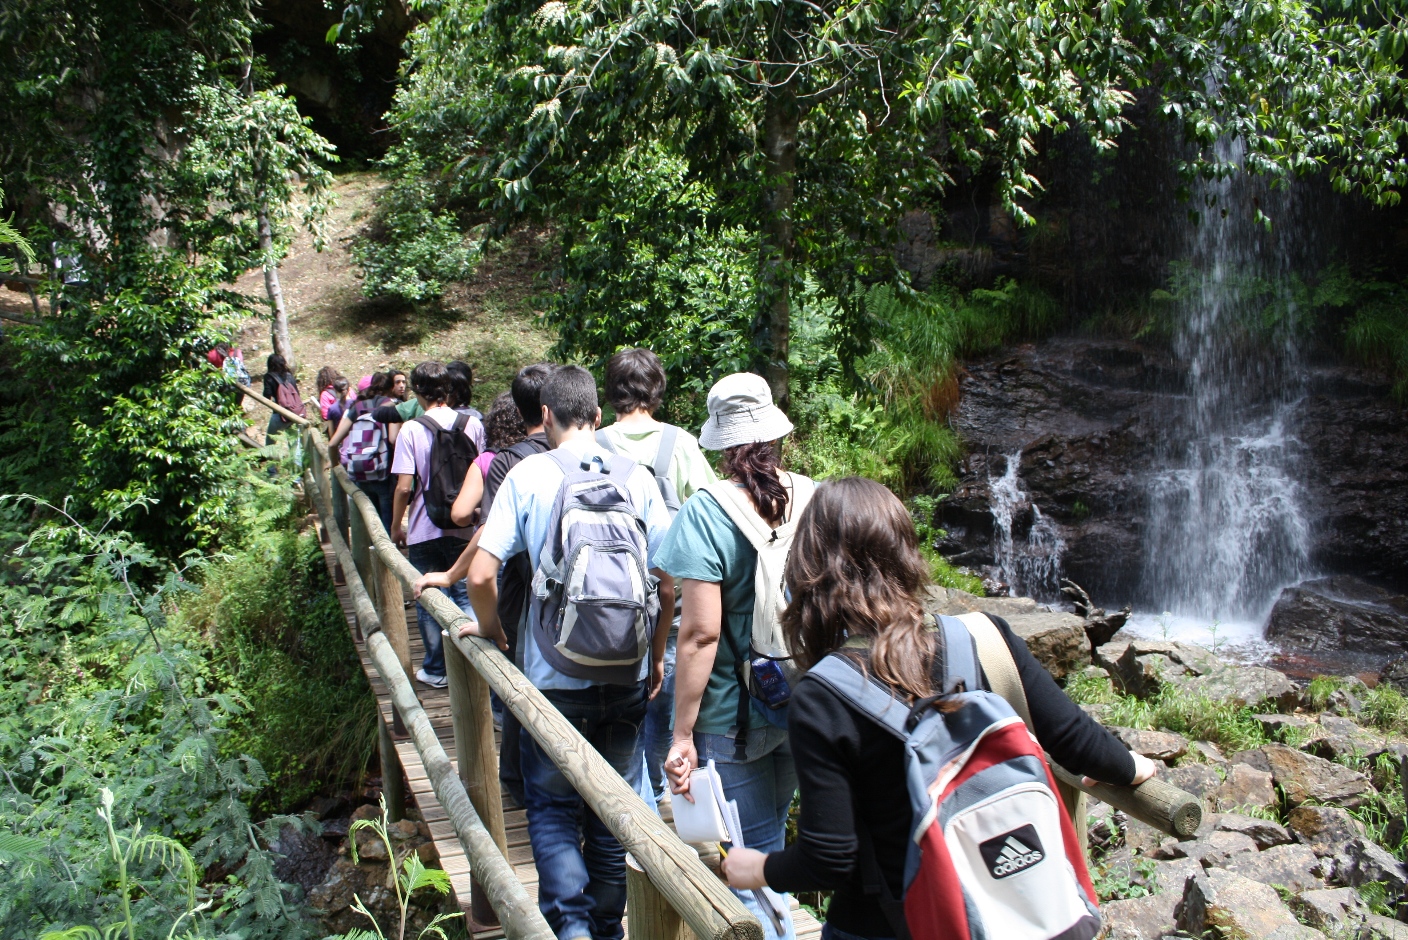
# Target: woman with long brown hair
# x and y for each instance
(716, 718)
(858, 584)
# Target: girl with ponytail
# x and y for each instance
(716, 717)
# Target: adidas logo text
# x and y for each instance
(1015, 856)
(1012, 852)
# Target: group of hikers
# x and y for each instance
(752, 628)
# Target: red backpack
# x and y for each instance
(287, 395)
(992, 853)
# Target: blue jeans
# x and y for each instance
(659, 719)
(438, 555)
(581, 866)
(763, 787)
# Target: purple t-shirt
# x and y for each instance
(413, 456)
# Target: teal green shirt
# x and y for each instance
(410, 409)
(705, 545)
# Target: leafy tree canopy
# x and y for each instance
(142, 147)
(817, 122)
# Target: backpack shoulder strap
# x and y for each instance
(604, 440)
(567, 460)
(429, 423)
(668, 435)
(997, 662)
(741, 511)
(867, 696)
(461, 422)
(960, 656)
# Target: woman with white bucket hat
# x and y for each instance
(732, 676)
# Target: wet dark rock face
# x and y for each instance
(1088, 417)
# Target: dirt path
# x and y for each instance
(487, 321)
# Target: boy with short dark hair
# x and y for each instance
(430, 548)
(581, 889)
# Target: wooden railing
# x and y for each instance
(671, 893)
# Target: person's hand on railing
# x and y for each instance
(494, 634)
(680, 762)
(743, 869)
(1144, 769)
(435, 579)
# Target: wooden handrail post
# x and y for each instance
(473, 720)
(1077, 807)
(648, 913)
(391, 608)
(393, 780)
(360, 543)
(340, 515)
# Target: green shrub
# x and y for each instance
(414, 245)
(1231, 727)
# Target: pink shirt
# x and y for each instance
(413, 456)
(483, 461)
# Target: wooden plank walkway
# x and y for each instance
(436, 703)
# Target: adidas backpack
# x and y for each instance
(451, 453)
(594, 602)
(364, 451)
(993, 853)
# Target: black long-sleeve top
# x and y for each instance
(850, 770)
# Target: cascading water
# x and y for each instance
(1226, 527)
(1031, 566)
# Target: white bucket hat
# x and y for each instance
(741, 412)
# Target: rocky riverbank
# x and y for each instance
(1302, 787)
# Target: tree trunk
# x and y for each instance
(282, 344)
(772, 332)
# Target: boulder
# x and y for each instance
(1339, 739)
(1246, 786)
(1276, 726)
(1155, 745)
(1245, 685)
(1263, 832)
(1108, 654)
(1208, 753)
(1303, 777)
(1379, 927)
(1170, 876)
(1335, 910)
(1215, 851)
(1297, 932)
(1198, 779)
(1293, 867)
(1232, 905)
(1146, 918)
(1146, 666)
(1325, 829)
(1395, 674)
(1340, 612)
(1364, 862)
(1055, 638)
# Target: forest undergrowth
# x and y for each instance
(160, 721)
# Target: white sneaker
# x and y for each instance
(435, 682)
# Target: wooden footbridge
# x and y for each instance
(441, 746)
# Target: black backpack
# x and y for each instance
(451, 453)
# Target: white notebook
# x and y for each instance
(702, 820)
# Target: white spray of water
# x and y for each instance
(1226, 527)
(1031, 566)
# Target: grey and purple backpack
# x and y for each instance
(992, 853)
(594, 604)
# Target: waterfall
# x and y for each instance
(1031, 567)
(1226, 528)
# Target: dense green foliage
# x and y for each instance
(798, 134)
(142, 145)
(129, 684)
